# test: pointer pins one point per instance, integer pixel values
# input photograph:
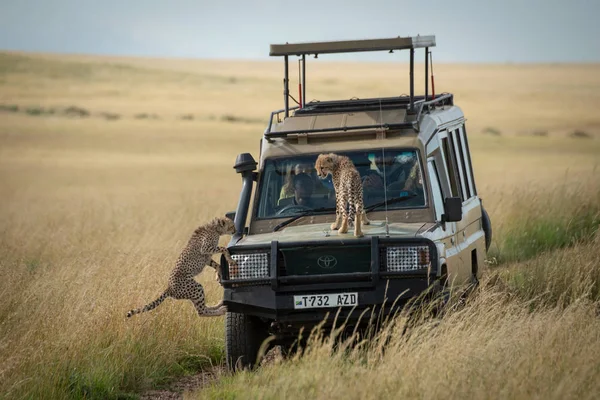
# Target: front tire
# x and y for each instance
(244, 335)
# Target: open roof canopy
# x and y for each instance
(352, 46)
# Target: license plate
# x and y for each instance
(325, 300)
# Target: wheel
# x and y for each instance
(487, 228)
(244, 335)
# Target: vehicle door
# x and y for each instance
(443, 186)
(470, 237)
(465, 253)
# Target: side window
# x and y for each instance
(460, 164)
(449, 159)
(438, 157)
(464, 145)
(436, 189)
(269, 191)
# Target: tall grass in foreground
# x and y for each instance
(493, 346)
(68, 277)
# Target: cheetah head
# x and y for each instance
(324, 164)
(225, 226)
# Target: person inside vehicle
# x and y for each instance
(414, 181)
(397, 170)
(288, 189)
(303, 191)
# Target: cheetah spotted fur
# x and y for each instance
(191, 262)
(348, 191)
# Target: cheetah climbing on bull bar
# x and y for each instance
(191, 262)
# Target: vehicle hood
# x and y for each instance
(312, 232)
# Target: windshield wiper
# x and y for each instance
(372, 207)
(393, 200)
(302, 214)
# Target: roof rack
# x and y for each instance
(422, 106)
(350, 46)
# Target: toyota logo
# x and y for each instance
(327, 262)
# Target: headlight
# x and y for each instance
(407, 258)
(250, 266)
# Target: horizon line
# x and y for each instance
(280, 59)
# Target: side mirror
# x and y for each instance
(230, 215)
(452, 209)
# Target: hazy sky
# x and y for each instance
(466, 30)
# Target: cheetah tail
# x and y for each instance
(150, 306)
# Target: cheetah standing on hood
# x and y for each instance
(348, 191)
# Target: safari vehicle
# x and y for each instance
(293, 272)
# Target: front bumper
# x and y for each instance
(378, 290)
(263, 302)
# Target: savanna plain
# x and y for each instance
(107, 165)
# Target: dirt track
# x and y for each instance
(176, 389)
(185, 384)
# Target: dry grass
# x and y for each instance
(94, 213)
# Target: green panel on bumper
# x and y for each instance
(323, 260)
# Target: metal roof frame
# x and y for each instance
(352, 46)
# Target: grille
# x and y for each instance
(324, 260)
(250, 266)
(407, 258)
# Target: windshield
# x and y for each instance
(290, 185)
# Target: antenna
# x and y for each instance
(387, 227)
(300, 65)
(432, 81)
